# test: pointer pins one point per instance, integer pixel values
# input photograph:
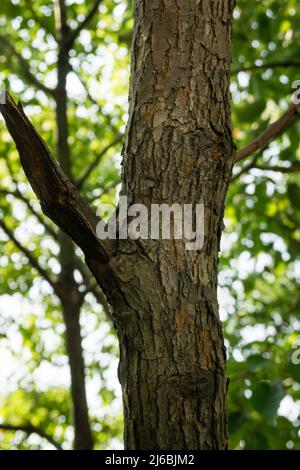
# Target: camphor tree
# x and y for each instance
(179, 149)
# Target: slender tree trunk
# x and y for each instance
(178, 150)
(72, 299)
(71, 311)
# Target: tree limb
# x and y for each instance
(17, 194)
(270, 65)
(59, 198)
(34, 263)
(37, 18)
(269, 134)
(93, 101)
(30, 429)
(105, 190)
(83, 84)
(278, 168)
(24, 66)
(245, 168)
(96, 161)
(75, 33)
(94, 288)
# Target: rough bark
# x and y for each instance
(178, 149)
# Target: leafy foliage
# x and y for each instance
(36, 381)
(259, 278)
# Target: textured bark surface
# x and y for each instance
(178, 149)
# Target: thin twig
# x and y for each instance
(278, 168)
(17, 194)
(270, 65)
(269, 134)
(25, 67)
(246, 168)
(30, 429)
(38, 19)
(96, 161)
(75, 33)
(94, 288)
(105, 190)
(32, 260)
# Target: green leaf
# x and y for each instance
(266, 398)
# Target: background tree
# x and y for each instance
(261, 325)
(42, 44)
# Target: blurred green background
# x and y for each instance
(259, 277)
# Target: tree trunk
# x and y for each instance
(71, 300)
(71, 311)
(178, 150)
